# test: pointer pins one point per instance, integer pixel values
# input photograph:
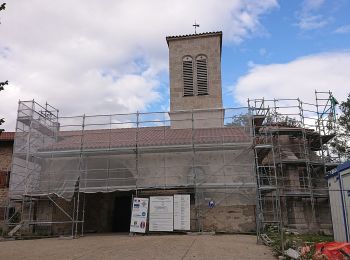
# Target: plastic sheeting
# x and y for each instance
(126, 152)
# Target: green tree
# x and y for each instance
(241, 120)
(2, 84)
(341, 143)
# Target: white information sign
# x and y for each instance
(182, 212)
(161, 212)
(139, 215)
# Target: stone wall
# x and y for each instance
(235, 219)
(5, 164)
(197, 119)
(45, 211)
(3, 197)
(5, 155)
(293, 180)
(210, 46)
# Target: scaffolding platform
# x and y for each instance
(61, 161)
(293, 154)
(39, 126)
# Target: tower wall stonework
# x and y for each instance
(193, 45)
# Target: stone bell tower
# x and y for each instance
(195, 80)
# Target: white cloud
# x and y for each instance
(311, 22)
(262, 51)
(105, 57)
(309, 18)
(310, 5)
(298, 78)
(343, 29)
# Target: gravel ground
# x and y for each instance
(113, 246)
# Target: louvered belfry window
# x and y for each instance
(202, 75)
(187, 69)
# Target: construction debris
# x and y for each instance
(332, 251)
(292, 253)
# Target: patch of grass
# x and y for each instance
(316, 238)
(296, 241)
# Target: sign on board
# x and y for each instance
(161, 215)
(182, 212)
(139, 215)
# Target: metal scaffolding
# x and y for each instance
(265, 163)
(58, 161)
(292, 156)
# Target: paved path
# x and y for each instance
(138, 247)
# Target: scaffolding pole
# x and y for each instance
(300, 133)
(71, 156)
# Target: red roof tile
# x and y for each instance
(148, 136)
(7, 136)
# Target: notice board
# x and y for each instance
(182, 218)
(139, 215)
(161, 214)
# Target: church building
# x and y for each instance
(242, 169)
(86, 170)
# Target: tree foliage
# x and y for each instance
(2, 6)
(341, 142)
(2, 84)
(241, 120)
(282, 121)
(344, 119)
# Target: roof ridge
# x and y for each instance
(194, 34)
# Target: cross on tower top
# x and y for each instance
(195, 27)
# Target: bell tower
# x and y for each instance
(195, 80)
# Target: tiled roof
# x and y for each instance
(148, 136)
(7, 136)
(194, 35)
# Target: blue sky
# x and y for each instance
(284, 40)
(89, 57)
